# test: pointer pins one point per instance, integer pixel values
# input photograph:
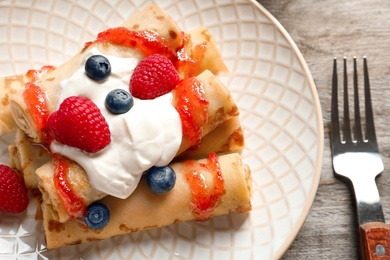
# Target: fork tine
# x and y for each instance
(370, 132)
(359, 163)
(358, 124)
(335, 126)
(347, 124)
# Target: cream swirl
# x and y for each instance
(149, 134)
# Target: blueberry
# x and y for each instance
(119, 101)
(97, 216)
(98, 67)
(161, 179)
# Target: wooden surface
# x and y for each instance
(375, 241)
(322, 30)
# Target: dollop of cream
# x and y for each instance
(149, 134)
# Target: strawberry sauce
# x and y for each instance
(192, 105)
(150, 42)
(74, 204)
(34, 75)
(190, 66)
(35, 99)
(204, 198)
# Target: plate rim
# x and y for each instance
(320, 134)
(316, 101)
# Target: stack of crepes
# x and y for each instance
(221, 134)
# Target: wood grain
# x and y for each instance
(375, 241)
(322, 30)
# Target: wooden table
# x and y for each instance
(322, 30)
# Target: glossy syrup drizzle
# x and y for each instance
(73, 204)
(192, 106)
(150, 42)
(204, 198)
(36, 101)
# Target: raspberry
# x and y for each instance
(79, 123)
(13, 193)
(154, 76)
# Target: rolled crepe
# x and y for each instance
(9, 86)
(212, 58)
(78, 180)
(152, 19)
(140, 210)
(199, 47)
(227, 137)
(220, 108)
(27, 157)
(156, 19)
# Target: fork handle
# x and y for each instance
(375, 240)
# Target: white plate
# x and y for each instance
(272, 86)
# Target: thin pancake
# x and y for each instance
(221, 107)
(140, 210)
(9, 86)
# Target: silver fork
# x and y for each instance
(357, 160)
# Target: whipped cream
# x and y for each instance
(149, 134)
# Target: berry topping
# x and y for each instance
(161, 179)
(37, 105)
(147, 42)
(97, 216)
(153, 77)
(192, 106)
(98, 67)
(34, 75)
(119, 101)
(204, 197)
(79, 123)
(13, 193)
